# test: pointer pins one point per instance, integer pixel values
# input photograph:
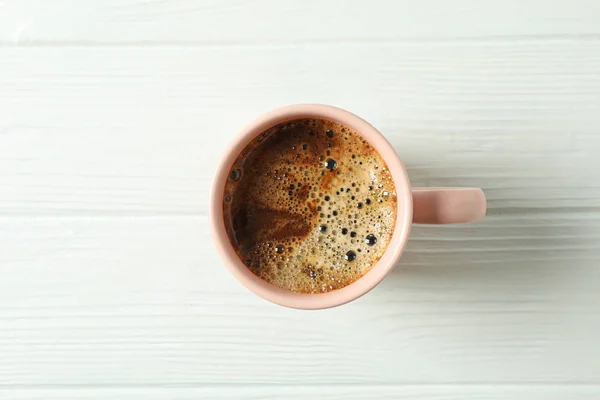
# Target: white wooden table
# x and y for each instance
(114, 113)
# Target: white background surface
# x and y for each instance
(113, 115)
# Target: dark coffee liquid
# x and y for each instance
(310, 206)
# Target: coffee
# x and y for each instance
(309, 206)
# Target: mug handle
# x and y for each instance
(448, 205)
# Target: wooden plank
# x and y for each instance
(112, 118)
(140, 130)
(133, 301)
(238, 21)
(325, 392)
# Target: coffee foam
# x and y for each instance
(310, 206)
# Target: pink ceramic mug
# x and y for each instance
(417, 205)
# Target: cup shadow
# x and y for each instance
(516, 254)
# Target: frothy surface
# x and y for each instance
(310, 206)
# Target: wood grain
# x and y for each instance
(315, 21)
(114, 114)
(136, 300)
(325, 392)
(140, 131)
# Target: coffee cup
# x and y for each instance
(414, 205)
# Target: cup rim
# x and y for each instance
(383, 266)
